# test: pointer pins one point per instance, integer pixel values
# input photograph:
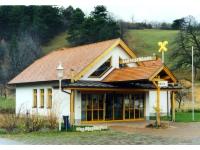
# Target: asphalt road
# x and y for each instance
(8, 142)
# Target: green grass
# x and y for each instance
(86, 138)
(58, 41)
(181, 117)
(7, 104)
(187, 117)
(145, 42)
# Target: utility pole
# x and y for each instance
(192, 84)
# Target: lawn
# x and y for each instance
(7, 104)
(187, 117)
(109, 137)
(181, 117)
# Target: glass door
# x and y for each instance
(92, 107)
(109, 107)
(139, 106)
(118, 107)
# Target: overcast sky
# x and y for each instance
(140, 10)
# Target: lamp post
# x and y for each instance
(60, 74)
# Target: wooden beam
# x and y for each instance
(173, 106)
(158, 106)
(108, 89)
(104, 106)
(72, 96)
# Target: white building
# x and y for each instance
(97, 85)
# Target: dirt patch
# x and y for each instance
(176, 130)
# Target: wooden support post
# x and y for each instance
(104, 107)
(173, 106)
(157, 100)
(72, 95)
(158, 106)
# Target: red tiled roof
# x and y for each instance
(157, 62)
(76, 58)
(132, 73)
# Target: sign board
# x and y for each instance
(163, 83)
(138, 59)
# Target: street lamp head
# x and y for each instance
(60, 71)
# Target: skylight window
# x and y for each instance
(102, 69)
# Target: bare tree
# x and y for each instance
(188, 36)
(180, 96)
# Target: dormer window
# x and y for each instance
(102, 69)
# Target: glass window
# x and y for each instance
(95, 115)
(92, 107)
(95, 102)
(102, 69)
(101, 102)
(49, 100)
(41, 98)
(34, 98)
(100, 114)
(121, 65)
(132, 114)
(127, 114)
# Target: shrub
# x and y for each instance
(33, 122)
(9, 122)
(52, 120)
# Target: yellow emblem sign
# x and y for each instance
(163, 45)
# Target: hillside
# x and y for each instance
(144, 42)
(58, 42)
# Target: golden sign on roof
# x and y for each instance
(138, 59)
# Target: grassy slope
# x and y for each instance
(8, 103)
(144, 42)
(58, 42)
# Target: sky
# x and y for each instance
(128, 10)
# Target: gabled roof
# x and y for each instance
(148, 72)
(131, 73)
(80, 59)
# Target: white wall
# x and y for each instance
(24, 100)
(115, 54)
(163, 102)
(77, 107)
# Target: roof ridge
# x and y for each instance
(67, 48)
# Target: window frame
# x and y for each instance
(49, 98)
(104, 72)
(34, 98)
(41, 98)
(91, 97)
(122, 65)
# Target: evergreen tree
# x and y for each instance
(98, 26)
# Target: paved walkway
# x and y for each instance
(8, 142)
(176, 130)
